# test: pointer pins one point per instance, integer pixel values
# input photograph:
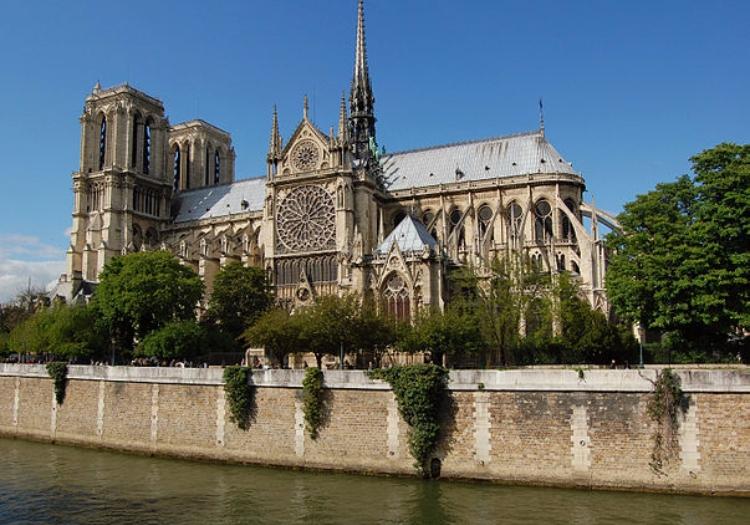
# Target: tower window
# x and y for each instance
(147, 147)
(206, 171)
(176, 169)
(134, 147)
(217, 167)
(102, 142)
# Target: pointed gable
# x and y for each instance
(410, 235)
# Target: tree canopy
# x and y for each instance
(143, 291)
(174, 340)
(240, 296)
(682, 262)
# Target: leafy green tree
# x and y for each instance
(682, 263)
(455, 332)
(240, 296)
(68, 332)
(174, 340)
(143, 291)
(278, 332)
(329, 326)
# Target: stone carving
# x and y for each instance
(305, 155)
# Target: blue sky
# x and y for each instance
(631, 89)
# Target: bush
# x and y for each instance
(58, 371)
(312, 398)
(175, 340)
(420, 391)
(240, 395)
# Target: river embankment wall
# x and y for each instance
(530, 426)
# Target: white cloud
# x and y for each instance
(24, 257)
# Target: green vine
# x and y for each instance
(240, 394)
(663, 408)
(58, 371)
(312, 398)
(420, 391)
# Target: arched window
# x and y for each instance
(188, 151)
(147, 147)
(134, 143)
(485, 222)
(567, 232)
(543, 221)
(454, 220)
(217, 166)
(514, 218)
(396, 301)
(137, 237)
(102, 142)
(207, 167)
(176, 167)
(136, 198)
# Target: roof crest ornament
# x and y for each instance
(541, 116)
(305, 108)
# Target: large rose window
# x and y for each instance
(306, 219)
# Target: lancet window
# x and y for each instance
(543, 221)
(147, 147)
(217, 166)
(102, 142)
(515, 222)
(176, 168)
(395, 298)
(485, 222)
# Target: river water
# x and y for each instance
(56, 484)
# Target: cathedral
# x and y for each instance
(333, 214)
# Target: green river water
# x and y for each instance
(56, 484)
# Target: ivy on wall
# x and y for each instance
(240, 395)
(663, 408)
(58, 371)
(312, 399)
(420, 391)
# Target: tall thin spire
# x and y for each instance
(275, 146)
(361, 98)
(306, 108)
(541, 116)
(362, 101)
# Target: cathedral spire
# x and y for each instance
(361, 100)
(305, 108)
(275, 146)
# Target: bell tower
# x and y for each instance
(122, 189)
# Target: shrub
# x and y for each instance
(58, 371)
(240, 394)
(420, 391)
(312, 398)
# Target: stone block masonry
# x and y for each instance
(535, 426)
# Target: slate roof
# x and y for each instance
(521, 154)
(410, 235)
(219, 201)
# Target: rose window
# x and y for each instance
(306, 219)
(305, 155)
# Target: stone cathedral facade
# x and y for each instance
(333, 213)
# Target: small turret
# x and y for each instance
(276, 144)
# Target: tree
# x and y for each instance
(277, 332)
(143, 291)
(174, 340)
(329, 326)
(68, 332)
(455, 332)
(240, 296)
(681, 263)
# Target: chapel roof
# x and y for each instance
(410, 235)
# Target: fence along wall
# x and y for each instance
(522, 426)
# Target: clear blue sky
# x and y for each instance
(631, 89)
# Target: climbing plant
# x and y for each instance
(240, 394)
(58, 371)
(663, 408)
(312, 398)
(420, 391)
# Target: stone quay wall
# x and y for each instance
(530, 426)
